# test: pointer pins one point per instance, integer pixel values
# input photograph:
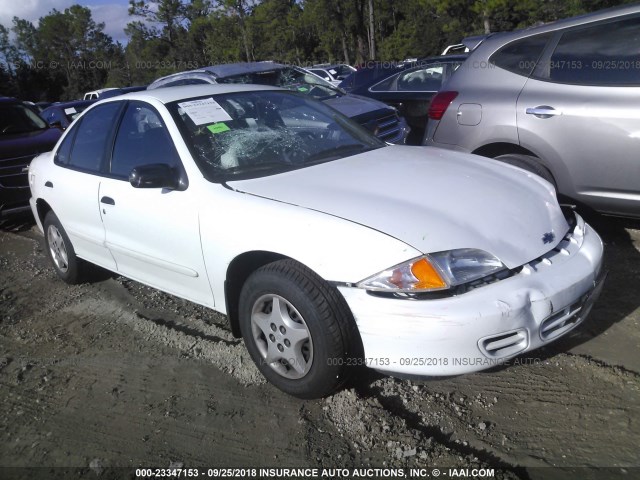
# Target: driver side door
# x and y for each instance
(152, 233)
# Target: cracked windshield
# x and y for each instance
(250, 134)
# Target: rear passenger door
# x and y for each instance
(579, 112)
(153, 233)
(75, 182)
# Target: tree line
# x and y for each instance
(68, 53)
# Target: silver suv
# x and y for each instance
(561, 100)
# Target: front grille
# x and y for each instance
(567, 318)
(386, 128)
(570, 243)
(13, 173)
(504, 344)
(561, 321)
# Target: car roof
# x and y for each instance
(172, 94)
(606, 14)
(327, 66)
(73, 103)
(121, 91)
(232, 69)
(220, 71)
(441, 58)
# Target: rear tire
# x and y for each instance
(298, 330)
(528, 163)
(63, 257)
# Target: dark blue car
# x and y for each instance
(61, 114)
(408, 87)
(23, 135)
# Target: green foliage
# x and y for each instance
(68, 53)
(65, 55)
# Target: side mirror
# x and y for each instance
(56, 124)
(155, 175)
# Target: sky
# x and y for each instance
(114, 13)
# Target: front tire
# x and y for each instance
(298, 329)
(60, 251)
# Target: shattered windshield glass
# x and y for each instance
(290, 78)
(251, 134)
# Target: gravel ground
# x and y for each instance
(116, 374)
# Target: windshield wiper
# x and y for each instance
(337, 152)
(260, 167)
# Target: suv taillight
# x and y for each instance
(440, 103)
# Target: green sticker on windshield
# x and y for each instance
(303, 89)
(218, 127)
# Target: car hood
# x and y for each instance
(355, 105)
(429, 198)
(31, 143)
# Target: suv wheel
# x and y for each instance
(528, 163)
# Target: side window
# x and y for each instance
(63, 154)
(321, 74)
(142, 139)
(605, 54)
(91, 138)
(521, 56)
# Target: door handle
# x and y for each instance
(108, 201)
(543, 111)
(48, 184)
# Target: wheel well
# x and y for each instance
(237, 273)
(494, 150)
(43, 208)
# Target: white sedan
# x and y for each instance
(325, 247)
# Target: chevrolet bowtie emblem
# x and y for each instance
(548, 237)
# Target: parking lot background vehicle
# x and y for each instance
(61, 114)
(332, 73)
(121, 91)
(96, 94)
(558, 100)
(409, 89)
(23, 135)
(375, 116)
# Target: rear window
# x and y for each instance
(521, 56)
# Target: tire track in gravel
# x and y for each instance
(153, 378)
(488, 456)
(562, 412)
(208, 342)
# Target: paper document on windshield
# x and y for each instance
(204, 111)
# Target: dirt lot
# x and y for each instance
(113, 373)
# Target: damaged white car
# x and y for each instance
(325, 247)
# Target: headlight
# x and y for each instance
(436, 271)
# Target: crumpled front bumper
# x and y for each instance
(489, 325)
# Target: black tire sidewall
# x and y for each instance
(326, 372)
(72, 274)
(530, 164)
